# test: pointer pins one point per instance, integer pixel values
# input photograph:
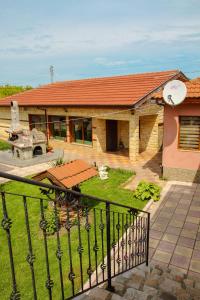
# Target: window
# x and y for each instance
(57, 127)
(189, 135)
(38, 122)
(81, 130)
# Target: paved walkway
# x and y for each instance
(175, 228)
(26, 171)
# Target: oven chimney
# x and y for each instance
(15, 126)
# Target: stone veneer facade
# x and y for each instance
(128, 124)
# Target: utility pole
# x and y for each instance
(51, 69)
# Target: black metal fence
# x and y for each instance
(58, 243)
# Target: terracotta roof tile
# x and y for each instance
(70, 174)
(78, 178)
(119, 90)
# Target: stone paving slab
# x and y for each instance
(4, 168)
(175, 228)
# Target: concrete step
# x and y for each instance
(146, 283)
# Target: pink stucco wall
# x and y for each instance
(172, 156)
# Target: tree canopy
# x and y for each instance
(8, 90)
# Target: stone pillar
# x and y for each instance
(134, 137)
(99, 135)
(67, 130)
(149, 133)
(154, 137)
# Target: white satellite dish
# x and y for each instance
(174, 92)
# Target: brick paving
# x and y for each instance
(175, 228)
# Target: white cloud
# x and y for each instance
(95, 39)
(103, 61)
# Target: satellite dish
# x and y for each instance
(174, 92)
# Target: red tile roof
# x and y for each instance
(68, 175)
(119, 90)
(193, 91)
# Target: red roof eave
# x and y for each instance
(115, 91)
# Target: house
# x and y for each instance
(107, 114)
(181, 142)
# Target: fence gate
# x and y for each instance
(57, 244)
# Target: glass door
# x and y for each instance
(81, 130)
(57, 126)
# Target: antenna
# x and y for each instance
(174, 92)
(51, 69)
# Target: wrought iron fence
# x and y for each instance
(61, 243)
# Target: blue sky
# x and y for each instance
(90, 38)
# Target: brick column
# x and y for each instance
(67, 130)
(100, 135)
(134, 137)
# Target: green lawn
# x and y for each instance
(4, 145)
(109, 189)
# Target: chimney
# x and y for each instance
(14, 116)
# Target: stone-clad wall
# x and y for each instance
(128, 125)
(149, 111)
(123, 133)
(148, 133)
(99, 134)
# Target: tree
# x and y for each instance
(8, 90)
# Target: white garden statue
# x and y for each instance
(103, 173)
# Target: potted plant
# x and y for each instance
(49, 148)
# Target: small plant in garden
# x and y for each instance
(146, 191)
(59, 162)
(51, 227)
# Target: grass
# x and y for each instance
(4, 145)
(109, 189)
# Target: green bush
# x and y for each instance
(146, 191)
(4, 145)
(51, 227)
(8, 90)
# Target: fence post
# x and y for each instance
(109, 274)
(147, 244)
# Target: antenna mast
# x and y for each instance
(51, 69)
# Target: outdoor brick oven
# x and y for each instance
(25, 143)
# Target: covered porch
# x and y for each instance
(141, 132)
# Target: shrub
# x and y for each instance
(146, 191)
(51, 227)
(4, 145)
